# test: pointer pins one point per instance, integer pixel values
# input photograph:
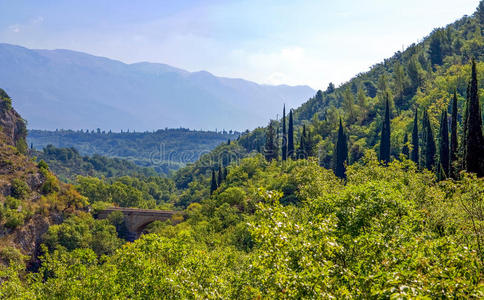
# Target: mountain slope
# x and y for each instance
(67, 89)
(411, 80)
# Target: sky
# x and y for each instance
(270, 42)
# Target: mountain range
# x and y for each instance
(67, 89)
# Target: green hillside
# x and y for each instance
(423, 77)
(67, 164)
(164, 150)
(371, 190)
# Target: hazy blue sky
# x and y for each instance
(291, 42)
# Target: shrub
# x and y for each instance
(12, 255)
(50, 185)
(43, 165)
(20, 189)
(12, 203)
(14, 219)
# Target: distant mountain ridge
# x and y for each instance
(68, 89)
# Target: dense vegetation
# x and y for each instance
(422, 78)
(163, 150)
(67, 164)
(367, 193)
(388, 231)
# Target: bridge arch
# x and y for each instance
(136, 219)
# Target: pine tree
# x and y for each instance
(284, 134)
(443, 170)
(429, 142)
(385, 136)
(213, 184)
(405, 149)
(415, 139)
(290, 137)
(435, 48)
(270, 148)
(341, 153)
(473, 158)
(454, 146)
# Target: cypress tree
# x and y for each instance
(405, 150)
(443, 170)
(270, 148)
(429, 142)
(473, 158)
(284, 134)
(415, 152)
(385, 136)
(453, 139)
(290, 137)
(213, 184)
(341, 153)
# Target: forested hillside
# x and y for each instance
(421, 80)
(67, 164)
(424, 77)
(374, 189)
(163, 150)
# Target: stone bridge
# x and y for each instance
(137, 219)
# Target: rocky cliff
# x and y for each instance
(12, 125)
(31, 197)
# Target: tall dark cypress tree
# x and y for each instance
(405, 149)
(385, 136)
(290, 137)
(454, 146)
(284, 134)
(415, 139)
(443, 169)
(473, 158)
(429, 142)
(213, 184)
(341, 153)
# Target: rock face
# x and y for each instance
(22, 222)
(12, 125)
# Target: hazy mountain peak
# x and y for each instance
(70, 89)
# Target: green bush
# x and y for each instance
(12, 255)
(13, 219)
(50, 185)
(20, 189)
(12, 203)
(43, 165)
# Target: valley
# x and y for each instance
(372, 189)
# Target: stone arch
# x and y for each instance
(137, 219)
